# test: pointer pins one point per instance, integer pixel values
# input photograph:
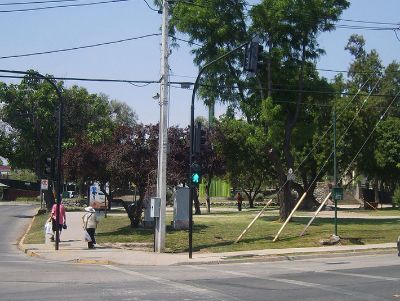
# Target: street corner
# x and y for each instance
(31, 253)
(28, 251)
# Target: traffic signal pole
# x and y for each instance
(191, 156)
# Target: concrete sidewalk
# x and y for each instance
(72, 248)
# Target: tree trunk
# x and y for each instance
(286, 202)
(134, 211)
(376, 190)
(208, 198)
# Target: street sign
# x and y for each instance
(44, 184)
(337, 193)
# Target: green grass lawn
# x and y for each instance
(216, 232)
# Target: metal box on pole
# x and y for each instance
(155, 204)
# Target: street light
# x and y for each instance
(59, 141)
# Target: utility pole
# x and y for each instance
(163, 137)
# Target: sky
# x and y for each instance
(51, 29)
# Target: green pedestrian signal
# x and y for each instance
(195, 178)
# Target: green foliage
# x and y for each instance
(23, 175)
(243, 146)
(396, 197)
(28, 127)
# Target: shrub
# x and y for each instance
(396, 197)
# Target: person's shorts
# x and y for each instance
(54, 225)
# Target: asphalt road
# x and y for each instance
(370, 277)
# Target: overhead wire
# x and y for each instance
(368, 22)
(36, 2)
(152, 8)
(61, 6)
(91, 46)
(80, 47)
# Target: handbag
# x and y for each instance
(64, 226)
(86, 236)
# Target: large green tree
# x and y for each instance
(289, 30)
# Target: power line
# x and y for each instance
(185, 84)
(21, 73)
(91, 46)
(61, 6)
(397, 37)
(369, 22)
(360, 27)
(153, 9)
(80, 47)
(37, 2)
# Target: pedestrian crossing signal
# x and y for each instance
(195, 178)
(196, 174)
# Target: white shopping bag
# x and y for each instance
(86, 236)
(48, 228)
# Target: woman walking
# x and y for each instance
(90, 224)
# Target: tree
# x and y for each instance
(28, 128)
(291, 35)
(379, 86)
(242, 146)
(122, 113)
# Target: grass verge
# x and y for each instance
(216, 232)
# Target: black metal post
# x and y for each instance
(191, 157)
(334, 169)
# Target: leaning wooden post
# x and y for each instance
(252, 222)
(316, 213)
(291, 214)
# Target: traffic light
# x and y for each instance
(195, 176)
(199, 138)
(253, 58)
(49, 168)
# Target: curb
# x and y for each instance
(291, 256)
(21, 240)
(31, 253)
(93, 261)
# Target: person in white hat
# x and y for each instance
(90, 224)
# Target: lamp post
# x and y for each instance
(59, 142)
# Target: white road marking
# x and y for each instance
(361, 275)
(323, 287)
(179, 286)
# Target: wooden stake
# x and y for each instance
(252, 222)
(291, 214)
(316, 213)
